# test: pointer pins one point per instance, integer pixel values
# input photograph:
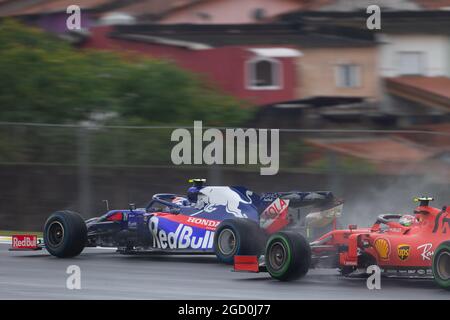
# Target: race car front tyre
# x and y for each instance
(238, 237)
(65, 234)
(441, 265)
(288, 256)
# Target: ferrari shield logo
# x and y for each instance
(403, 251)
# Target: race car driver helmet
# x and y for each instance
(192, 194)
(181, 201)
(193, 191)
(407, 220)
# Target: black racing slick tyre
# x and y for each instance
(65, 234)
(441, 265)
(238, 237)
(288, 256)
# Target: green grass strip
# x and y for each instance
(6, 233)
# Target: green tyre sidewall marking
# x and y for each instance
(289, 256)
(442, 283)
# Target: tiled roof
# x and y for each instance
(433, 4)
(431, 91)
(425, 4)
(376, 149)
(437, 127)
(247, 34)
(435, 85)
(150, 7)
(50, 6)
(154, 7)
(391, 155)
(438, 139)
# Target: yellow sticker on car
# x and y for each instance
(403, 251)
(383, 248)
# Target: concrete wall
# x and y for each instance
(30, 193)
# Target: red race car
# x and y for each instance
(409, 245)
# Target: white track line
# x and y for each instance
(5, 240)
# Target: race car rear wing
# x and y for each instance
(309, 198)
(248, 264)
(320, 209)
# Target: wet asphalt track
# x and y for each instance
(107, 275)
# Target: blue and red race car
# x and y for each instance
(221, 220)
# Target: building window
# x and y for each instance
(203, 16)
(259, 14)
(264, 74)
(348, 76)
(410, 63)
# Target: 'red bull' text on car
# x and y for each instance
(415, 245)
(219, 220)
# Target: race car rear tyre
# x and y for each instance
(288, 256)
(65, 234)
(238, 237)
(441, 265)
